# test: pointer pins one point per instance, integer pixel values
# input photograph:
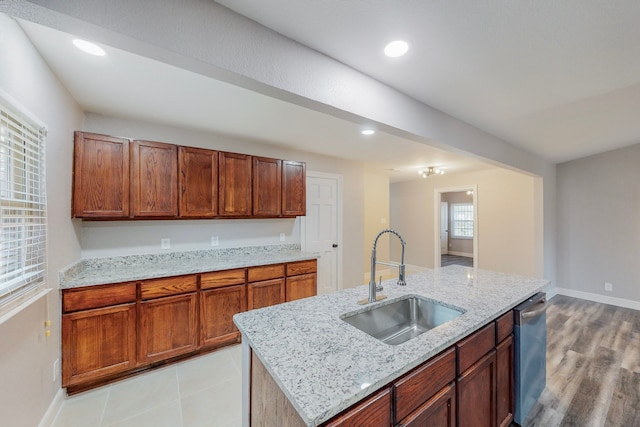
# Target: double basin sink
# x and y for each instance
(402, 320)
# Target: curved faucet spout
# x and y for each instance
(401, 267)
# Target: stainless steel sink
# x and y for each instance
(402, 320)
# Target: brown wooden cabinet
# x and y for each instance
(154, 179)
(100, 176)
(439, 411)
(98, 333)
(266, 286)
(294, 200)
(505, 398)
(167, 321)
(302, 281)
(197, 182)
(373, 411)
(223, 294)
(234, 194)
(267, 186)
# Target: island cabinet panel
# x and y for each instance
(421, 384)
(217, 307)
(373, 411)
(438, 411)
(476, 393)
(294, 200)
(154, 179)
(303, 286)
(267, 186)
(265, 293)
(234, 194)
(476, 345)
(100, 176)
(98, 343)
(198, 182)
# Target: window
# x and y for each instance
(22, 205)
(462, 220)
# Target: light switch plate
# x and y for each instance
(215, 241)
(165, 243)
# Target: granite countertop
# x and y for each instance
(324, 365)
(100, 271)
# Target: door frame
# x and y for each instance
(437, 195)
(303, 222)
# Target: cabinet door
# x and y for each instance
(154, 181)
(264, 294)
(97, 343)
(234, 194)
(167, 327)
(504, 382)
(298, 287)
(217, 307)
(198, 182)
(267, 186)
(439, 411)
(294, 200)
(373, 411)
(100, 176)
(476, 393)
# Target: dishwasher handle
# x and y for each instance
(537, 309)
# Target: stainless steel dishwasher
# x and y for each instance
(530, 332)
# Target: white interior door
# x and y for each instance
(321, 227)
(444, 228)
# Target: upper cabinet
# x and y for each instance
(117, 178)
(198, 182)
(234, 197)
(100, 176)
(294, 202)
(267, 186)
(154, 179)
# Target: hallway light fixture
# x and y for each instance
(425, 173)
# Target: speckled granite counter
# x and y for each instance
(98, 271)
(323, 365)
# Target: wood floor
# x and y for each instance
(593, 366)
(455, 259)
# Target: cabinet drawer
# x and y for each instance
(422, 383)
(372, 411)
(97, 296)
(472, 348)
(302, 267)
(504, 326)
(169, 286)
(218, 279)
(268, 272)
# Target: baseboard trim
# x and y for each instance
(460, 254)
(53, 409)
(620, 302)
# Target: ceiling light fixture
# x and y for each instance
(89, 47)
(368, 132)
(425, 173)
(396, 48)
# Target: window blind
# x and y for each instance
(462, 220)
(23, 220)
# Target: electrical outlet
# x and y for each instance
(608, 287)
(282, 238)
(165, 243)
(215, 241)
(383, 220)
(56, 369)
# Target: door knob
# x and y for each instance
(335, 245)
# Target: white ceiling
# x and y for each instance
(560, 79)
(122, 84)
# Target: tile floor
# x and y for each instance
(205, 391)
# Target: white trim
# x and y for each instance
(620, 302)
(461, 254)
(23, 304)
(53, 409)
(437, 196)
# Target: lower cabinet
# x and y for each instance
(373, 411)
(505, 391)
(217, 307)
(476, 392)
(439, 411)
(266, 293)
(97, 343)
(298, 287)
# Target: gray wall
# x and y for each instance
(26, 355)
(599, 223)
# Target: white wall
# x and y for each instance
(26, 355)
(376, 218)
(507, 235)
(113, 238)
(599, 224)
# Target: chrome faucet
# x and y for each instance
(372, 282)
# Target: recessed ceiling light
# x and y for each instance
(396, 48)
(88, 47)
(368, 132)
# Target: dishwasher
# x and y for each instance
(530, 354)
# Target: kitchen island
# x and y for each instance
(323, 365)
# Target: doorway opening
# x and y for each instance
(456, 225)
